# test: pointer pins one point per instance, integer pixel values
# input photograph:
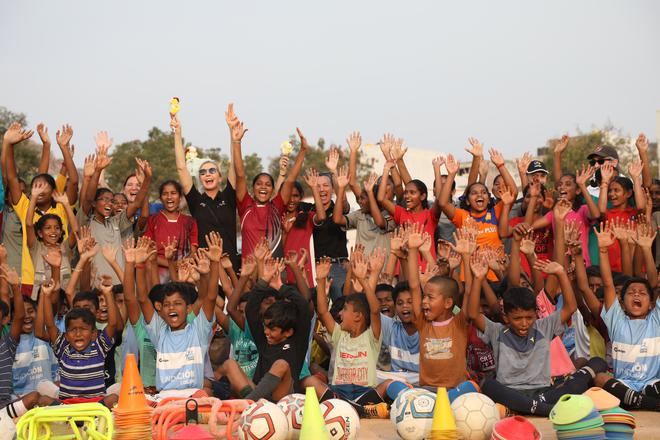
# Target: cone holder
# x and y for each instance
(96, 421)
(170, 415)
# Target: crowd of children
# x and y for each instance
(523, 299)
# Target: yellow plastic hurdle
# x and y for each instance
(96, 422)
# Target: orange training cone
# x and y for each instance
(444, 425)
(131, 393)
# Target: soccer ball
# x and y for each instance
(341, 419)
(412, 413)
(475, 416)
(290, 405)
(263, 420)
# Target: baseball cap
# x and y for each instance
(604, 151)
(536, 166)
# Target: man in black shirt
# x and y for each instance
(330, 238)
(214, 210)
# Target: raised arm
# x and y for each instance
(38, 188)
(113, 316)
(498, 160)
(477, 152)
(74, 228)
(374, 209)
(44, 163)
(214, 252)
(63, 138)
(554, 268)
(354, 141)
(342, 183)
(248, 267)
(322, 271)
(606, 173)
(180, 156)
(560, 146)
(444, 197)
(132, 306)
(605, 238)
(375, 264)
(101, 161)
(581, 178)
(141, 256)
(237, 131)
(13, 136)
(398, 151)
(503, 227)
(635, 170)
(9, 275)
(437, 187)
(522, 164)
(382, 189)
(48, 289)
(311, 178)
(644, 239)
(287, 187)
(480, 270)
(642, 145)
(145, 168)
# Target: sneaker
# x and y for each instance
(377, 411)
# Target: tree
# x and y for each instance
(315, 158)
(27, 154)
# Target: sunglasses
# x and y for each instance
(600, 161)
(205, 171)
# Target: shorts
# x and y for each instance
(349, 391)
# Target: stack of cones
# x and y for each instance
(313, 424)
(619, 423)
(444, 425)
(132, 414)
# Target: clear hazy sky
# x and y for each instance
(512, 73)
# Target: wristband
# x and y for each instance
(500, 166)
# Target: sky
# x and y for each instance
(512, 73)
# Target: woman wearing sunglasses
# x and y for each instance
(213, 208)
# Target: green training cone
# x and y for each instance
(313, 425)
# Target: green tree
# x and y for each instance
(315, 158)
(27, 154)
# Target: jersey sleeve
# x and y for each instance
(398, 214)
(243, 205)
(203, 327)
(154, 328)
(459, 217)
(491, 332)
(551, 325)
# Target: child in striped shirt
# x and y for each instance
(82, 349)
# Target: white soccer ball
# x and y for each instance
(412, 413)
(475, 416)
(263, 420)
(290, 405)
(341, 419)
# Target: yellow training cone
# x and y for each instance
(313, 425)
(443, 417)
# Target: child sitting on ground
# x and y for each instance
(633, 323)
(356, 341)
(82, 345)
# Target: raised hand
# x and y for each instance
(332, 160)
(549, 267)
(429, 272)
(606, 173)
(582, 176)
(61, 198)
(523, 163)
(236, 128)
(397, 240)
(622, 229)
(426, 243)
(302, 259)
(386, 146)
(479, 265)
(414, 233)
(528, 244)
(496, 157)
(635, 169)
(452, 165)
(360, 265)
(175, 124)
(144, 167)
(202, 262)
(16, 134)
(572, 237)
(354, 141)
(48, 288)
(370, 182)
(129, 250)
(64, 135)
(476, 148)
(88, 167)
(311, 177)
(438, 162)
(214, 242)
(10, 275)
(42, 131)
(53, 257)
(398, 151)
(103, 141)
(170, 248)
(262, 250)
(249, 266)
(284, 164)
(466, 241)
(323, 267)
(342, 176)
(561, 209)
(38, 188)
(142, 250)
(271, 268)
(645, 236)
(506, 196)
(377, 260)
(303, 140)
(562, 143)
(642, 143)
(605, 236)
